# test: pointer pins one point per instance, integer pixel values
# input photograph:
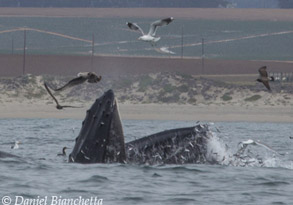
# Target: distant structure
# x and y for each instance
(286, 4)
(114, 3)
(151, 3)
(254, 3)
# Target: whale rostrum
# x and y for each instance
(101, 137)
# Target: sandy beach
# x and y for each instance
(150, 97)
(211, 113)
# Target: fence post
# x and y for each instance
(24, 51)
(93, 51)
(12, 45)
(202, 56)
(182, 42)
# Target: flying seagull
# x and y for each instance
(58, 106)
(150, 37)
(263, 77)
(90, 77)
(165, 50)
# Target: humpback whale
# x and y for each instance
(176, 146)
(101, 140)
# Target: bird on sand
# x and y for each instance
(82, 77)
(263, 77)
(58, 106)
(150, 37)
(63, 152)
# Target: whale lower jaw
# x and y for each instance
(101, 140)
(176, 146)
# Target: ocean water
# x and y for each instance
(41, 177)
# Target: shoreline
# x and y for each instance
(210, 113)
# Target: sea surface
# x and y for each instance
(40, 177)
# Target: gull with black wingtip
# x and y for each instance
(150, 36)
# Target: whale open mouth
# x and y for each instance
(101, 140)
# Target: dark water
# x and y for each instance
(40, 174)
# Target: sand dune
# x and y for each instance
(157, 96)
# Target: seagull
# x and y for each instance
(166, 50)
(82, 77)
(150, 37)
(58, 106)
(244, 144)
(16, 145)
(63, 152)
(263, 77)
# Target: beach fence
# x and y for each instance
(27, 41)
(202, 50)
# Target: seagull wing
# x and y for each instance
(71, 83)
(265, 146)
(155, 24)
(134, 26)
(263, 71)
(166, 50)
(48, 90)
(266, 83)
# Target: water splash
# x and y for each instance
(249, 154)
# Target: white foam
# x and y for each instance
(217, 150)
(252, 156)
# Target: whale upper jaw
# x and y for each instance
(101, 138)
